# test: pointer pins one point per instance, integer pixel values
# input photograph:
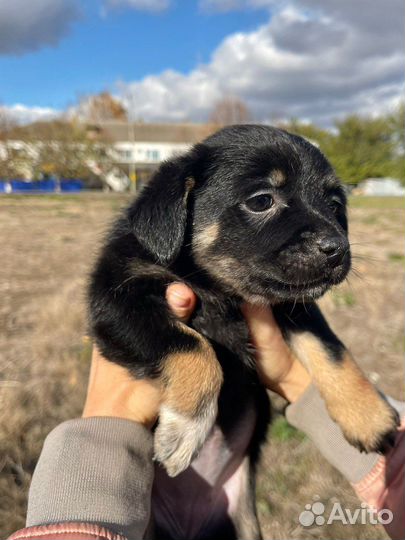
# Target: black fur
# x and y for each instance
(274, 260)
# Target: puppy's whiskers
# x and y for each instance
(295, 303)
(194, 273)
(363, 256)
(303, 302)
(124, 282)
(357, 274)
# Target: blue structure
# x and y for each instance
(71, 185)
(66, 185)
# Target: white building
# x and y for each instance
(137, 149)
(140, 147)
(382, 187)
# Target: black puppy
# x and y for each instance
(251, 214)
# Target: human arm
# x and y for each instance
(94, 476)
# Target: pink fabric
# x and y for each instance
(66, 531)
(384, 486)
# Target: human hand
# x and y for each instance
(277, 367)
(113, 391)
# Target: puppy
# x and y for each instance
(251, 214)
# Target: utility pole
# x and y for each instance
(132, 163)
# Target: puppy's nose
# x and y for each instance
(334, 248)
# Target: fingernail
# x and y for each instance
(179, 299)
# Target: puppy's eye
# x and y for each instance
(259, 203)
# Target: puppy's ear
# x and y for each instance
(159, 214)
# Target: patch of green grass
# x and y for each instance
(67, 214)
(370, 220)
(118, 204)
(86, 350)
(396, 257)
(82, 197)
(281, 430)
(343, 298)
(264, 506)
(398, 344)
(43, 197)
(382, 203)
(67, 239)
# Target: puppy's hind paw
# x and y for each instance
(178, 437)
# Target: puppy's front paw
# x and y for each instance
(178, 437)
(192, 383)
(369, 423)
(379, 430)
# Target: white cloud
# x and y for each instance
(29, 25)
(22, 114)
(315, 60)
(141, 5)
(26, 26)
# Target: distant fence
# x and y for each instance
(70, 185)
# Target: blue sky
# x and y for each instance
(172, 60)
(122, 44)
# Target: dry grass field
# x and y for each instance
(47, 247)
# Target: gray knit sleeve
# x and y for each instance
(309, 414)
(96, 470)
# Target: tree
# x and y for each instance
(13, 156)
(14, 161)
(64, 149)
(7, 122)
(100, 108)
(363, 148)
(316, 135)
(360, 147)
(396, 122)
(229, 111)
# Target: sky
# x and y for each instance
(172, 60)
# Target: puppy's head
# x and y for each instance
(266, 213)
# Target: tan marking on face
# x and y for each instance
(227, 265)
(192, 379)
(351, 399)
(277, 178)
(204, 239)
(227, 270)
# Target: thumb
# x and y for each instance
(264, 331)
(181, 300)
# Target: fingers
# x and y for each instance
(277, 367)
(273, 356)
(263, 327)
(181, 300)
